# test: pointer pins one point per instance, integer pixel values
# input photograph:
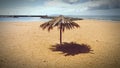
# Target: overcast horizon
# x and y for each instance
(59, 7)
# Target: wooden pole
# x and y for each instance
(60, 34)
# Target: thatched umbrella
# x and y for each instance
(62, 23)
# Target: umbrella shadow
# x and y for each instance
(71, 48)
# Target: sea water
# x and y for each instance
(22, 19)
(28, 19)
(108, 18)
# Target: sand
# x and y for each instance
(26, 45)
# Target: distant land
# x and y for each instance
(41, 16)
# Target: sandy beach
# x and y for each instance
(26, 45)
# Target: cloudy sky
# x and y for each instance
(64, 7)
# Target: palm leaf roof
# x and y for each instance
(61, 22)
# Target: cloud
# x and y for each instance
(30, 0)
(54, 3)
(104, 4)
(85, 4)
(71, 1)
(79, 7)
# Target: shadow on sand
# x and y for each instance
(71, 48)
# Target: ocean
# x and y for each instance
(27, 19)
(22, 19)
(108, 18)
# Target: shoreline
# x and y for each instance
(74, 20)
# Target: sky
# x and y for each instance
(59, 7)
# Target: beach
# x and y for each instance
(26, 45)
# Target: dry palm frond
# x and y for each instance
(61, 22)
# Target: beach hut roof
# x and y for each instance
(61, 22)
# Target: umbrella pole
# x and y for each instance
(60, 34)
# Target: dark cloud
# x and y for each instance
(105, 4)
(75, 1)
